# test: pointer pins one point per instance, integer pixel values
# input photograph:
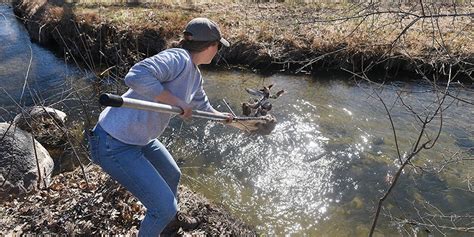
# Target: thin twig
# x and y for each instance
(37, 161)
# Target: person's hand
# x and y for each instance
(187, 110)
(229, 116)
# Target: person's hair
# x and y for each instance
(194, 46)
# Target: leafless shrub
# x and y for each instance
(429, 118)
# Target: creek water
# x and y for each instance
(29, 73)
(319, 173)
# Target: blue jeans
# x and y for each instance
(149, 172)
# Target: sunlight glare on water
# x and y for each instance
(281, 167)
(320, 170)
(287, 180)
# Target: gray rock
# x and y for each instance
(18, 162)
(32, 114)
(46, 125)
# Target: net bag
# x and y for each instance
(260, 125)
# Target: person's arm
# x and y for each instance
(201, 102)
(168, 98)
(147, 76)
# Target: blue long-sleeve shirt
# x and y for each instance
(171, 70)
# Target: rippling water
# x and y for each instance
(322, 169)
(325, 165)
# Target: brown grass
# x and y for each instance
(271, 24)
(289, 32)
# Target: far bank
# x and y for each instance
(267, 38)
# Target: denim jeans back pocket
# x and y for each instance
(94, 147)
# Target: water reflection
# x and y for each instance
(319, 172)
(29, 73)
(283, 176)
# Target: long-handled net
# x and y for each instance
(262, 124)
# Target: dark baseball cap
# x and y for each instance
(203, 29)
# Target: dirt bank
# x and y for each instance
(71, 206)
(265, 37)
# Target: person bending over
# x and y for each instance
(124, 141)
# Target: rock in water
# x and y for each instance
(18, 162)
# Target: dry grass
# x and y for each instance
(163, 19)
(293, 26)
(272, 34)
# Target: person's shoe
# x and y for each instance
(183, 221)
(187, 222)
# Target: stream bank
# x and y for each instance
(100, 206)
(267, 38)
